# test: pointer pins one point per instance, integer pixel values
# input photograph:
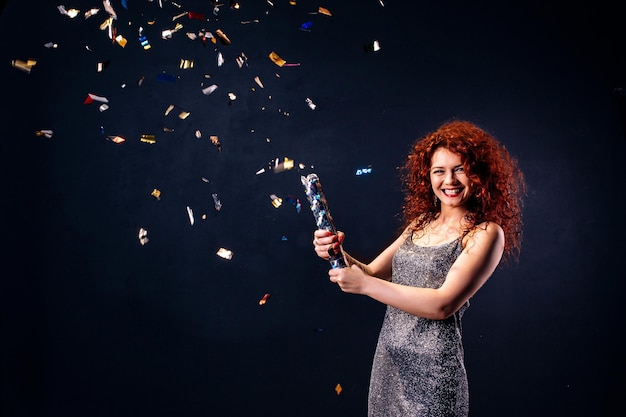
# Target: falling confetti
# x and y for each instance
(216, 202)
(276, 201)
(44, 132)
(25, 66)
(225, 253)
(190, 215)
(143, 236)
(263, 300)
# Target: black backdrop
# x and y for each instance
(96, 324)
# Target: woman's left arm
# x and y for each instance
(481, 255)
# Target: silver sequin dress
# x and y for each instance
(418, 368)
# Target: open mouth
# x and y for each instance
(452, 192)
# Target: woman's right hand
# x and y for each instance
(326, 243)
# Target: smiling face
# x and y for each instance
(449, 179)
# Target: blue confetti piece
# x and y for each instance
(166, 78)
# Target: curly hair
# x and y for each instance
(494, 175)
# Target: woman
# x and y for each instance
(462, 216)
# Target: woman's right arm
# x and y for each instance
(380, 267)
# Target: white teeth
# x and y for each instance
(452, 191)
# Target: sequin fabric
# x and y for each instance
(418, 368)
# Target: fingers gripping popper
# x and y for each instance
(321, 213)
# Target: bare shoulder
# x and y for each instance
(487, 235)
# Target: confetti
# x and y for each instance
(151, 139)
(25, 66)
(194, 15)
(222, 36)
(185, 64)
(116, 139)
(258, 81)
(225, 253)
(310, 103)
(156, 194)
(324, 11)
(121, 41)
(363, 171)
(92, 97)
(338, 389)
(209, 90)
(71, 13)
(263, 300)
(372, 47)
(190, 215)
(277, 59)
(143, 236)
(166, 78)
(276, 201)
(91, 12)
(109, 9)
(144, 42)
(216, 202)
(285, 165)
(44, 132)
(216, 141)
(103, 65)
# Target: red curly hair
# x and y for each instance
(495, 177)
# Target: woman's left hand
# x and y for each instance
(350, 279)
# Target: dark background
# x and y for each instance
(95, 324)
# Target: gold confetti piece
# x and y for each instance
(169, 109)
(222, 37)
(156, 194)
(216, 141)
(286, 165)
(25, 66)
(277, 59)
(323, 10)
(225, 253)
(116, 139)
(143, 236)
(151, 139)
(276, 201)
(121, 41)
(263, 300)
(258, 81)
(186, 64)
(45, 132)
(338, 389)
(183, 115)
